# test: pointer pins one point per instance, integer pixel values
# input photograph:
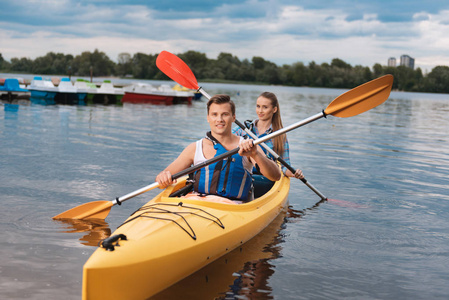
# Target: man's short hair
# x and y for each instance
(221, 99)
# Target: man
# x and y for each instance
(230, 178)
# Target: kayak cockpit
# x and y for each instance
(173, 194)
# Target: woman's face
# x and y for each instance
(264, 109)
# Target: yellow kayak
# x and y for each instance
(170, 238)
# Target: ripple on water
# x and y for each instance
(391, 162)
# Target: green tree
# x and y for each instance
(360, 75)
(98, 61)
(338, 63)
(124, 66)
(438, 80)
(246, 71)
(258, 62)
(297, 74)
(337, 74)
(405, 78)
(197, 62)
(144, 67)
(378, 70)
(4, 65)
(52, 63)
(230, 66)
(21, 65)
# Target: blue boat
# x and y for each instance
(42, 91)
(11, 89)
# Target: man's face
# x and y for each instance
(220, 117)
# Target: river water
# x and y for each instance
(384, 234)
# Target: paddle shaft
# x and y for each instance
(82, 212)
(220, 157)
(282, 161)
(147, 188)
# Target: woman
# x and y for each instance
(269, 120)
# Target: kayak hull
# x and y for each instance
(171, 238)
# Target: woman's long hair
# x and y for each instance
(276, 123)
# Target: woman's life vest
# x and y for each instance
(227, 178)
(250, 125)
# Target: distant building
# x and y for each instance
(407, 61)
(392, 62)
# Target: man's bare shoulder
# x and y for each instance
(190, 148)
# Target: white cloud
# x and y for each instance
(282, 34)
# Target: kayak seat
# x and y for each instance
(261, 185)
(182, 191)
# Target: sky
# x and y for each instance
(281, 31)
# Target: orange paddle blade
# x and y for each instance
(176, 69)
(91, 210)
(362, 98)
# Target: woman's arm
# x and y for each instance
(267, 167)
(286, 157)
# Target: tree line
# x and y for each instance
(229, 68)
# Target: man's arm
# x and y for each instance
(184, 161)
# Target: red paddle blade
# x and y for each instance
(176, 69)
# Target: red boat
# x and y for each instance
(143, 93)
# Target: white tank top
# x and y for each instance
(199, 156)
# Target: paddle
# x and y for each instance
(351, 103)
(278, 158)
(178, 71)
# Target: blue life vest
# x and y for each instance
(250, 125)
(227, 178)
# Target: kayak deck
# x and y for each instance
(170, 238)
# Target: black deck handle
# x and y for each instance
(108, 243)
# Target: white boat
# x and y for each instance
(105, 94)
(42, 91)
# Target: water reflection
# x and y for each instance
(95, 230)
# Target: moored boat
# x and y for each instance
(147, 93)
(107, 93)
(11, 90)
(70, 94)
(46, 93)
(180, 88)
(170, 238)
(42, 91)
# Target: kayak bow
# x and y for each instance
(170, 238)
